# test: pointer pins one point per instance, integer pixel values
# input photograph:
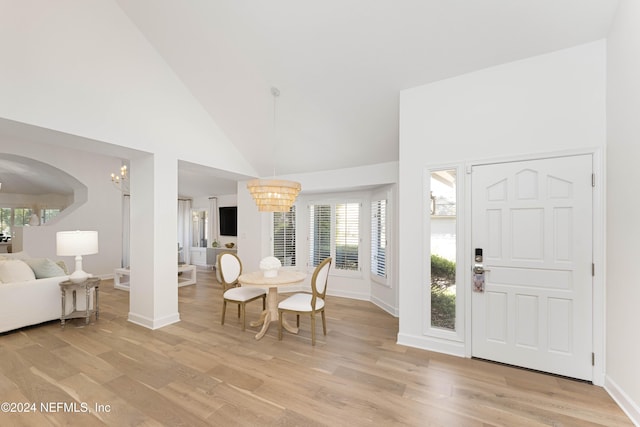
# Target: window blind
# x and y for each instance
(319, 233)
(379, 238)
(347, 236)
(284, 237)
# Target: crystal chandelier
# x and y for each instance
(274, 195)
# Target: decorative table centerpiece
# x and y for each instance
(270, 266)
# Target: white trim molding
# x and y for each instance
(624, 402)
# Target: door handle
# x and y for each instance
(478, 271)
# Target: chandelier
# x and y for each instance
(274, 195)
(121, 181)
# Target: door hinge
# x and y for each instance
(593, 270)
(593, 359)
(593, 179)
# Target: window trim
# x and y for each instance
(462, 278)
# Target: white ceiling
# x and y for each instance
(37, 179)
(339, 65)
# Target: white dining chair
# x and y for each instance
(308, 303)
(230, 269)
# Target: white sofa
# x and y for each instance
(29, 302)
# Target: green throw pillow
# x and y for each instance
(44, 268)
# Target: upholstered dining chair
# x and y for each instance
(230, 269)
(308, 303)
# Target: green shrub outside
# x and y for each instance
(443, 304)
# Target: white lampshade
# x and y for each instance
(72, 243)
(77, 243)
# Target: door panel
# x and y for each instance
(533, 220)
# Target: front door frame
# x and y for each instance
(598, 249)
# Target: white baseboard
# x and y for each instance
(153, 323)
(624, 402)
(350, 295)
(386, 307)
(438, 345)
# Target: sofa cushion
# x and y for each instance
(44, 268)
(15, 270)
(15, 255)
(63, 266)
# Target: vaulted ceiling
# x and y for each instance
(340, 65)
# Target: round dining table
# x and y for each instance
(270, 314)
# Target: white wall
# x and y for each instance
(82, 68)
(202, 203)
(623, 213)
(542, 104)
(101, 211)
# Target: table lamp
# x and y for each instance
(77, 243)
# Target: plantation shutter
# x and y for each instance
(284, 237)
(347, 236)
(379, 238)
(319, 233)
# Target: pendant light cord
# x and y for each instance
(276, 93)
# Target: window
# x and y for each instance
(379, 238)
(13, 217)
(21, 216)
(319, 234)
(5, 221)
(284, 237)
(347, 236)
(443, 248)
(47, 215)
(334, 230)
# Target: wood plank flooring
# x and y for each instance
(199, 373)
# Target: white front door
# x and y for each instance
(533, 222)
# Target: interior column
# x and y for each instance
(153, 299)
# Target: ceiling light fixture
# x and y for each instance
(121, 181)
(274, 195)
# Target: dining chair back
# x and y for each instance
(305, 303)
(230, 270)
(320, 278)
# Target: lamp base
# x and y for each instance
(78, 276)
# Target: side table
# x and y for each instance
(121, 276)
(86, 286)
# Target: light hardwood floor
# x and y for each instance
(198, 372)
